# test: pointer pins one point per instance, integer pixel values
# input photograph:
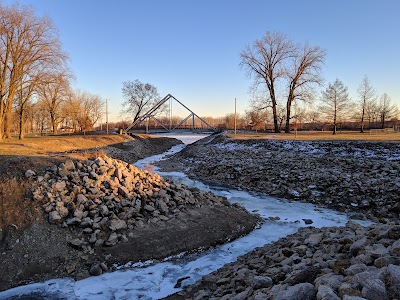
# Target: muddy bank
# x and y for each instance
(357, 177)
(87, 215)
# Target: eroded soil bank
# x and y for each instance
(77, 212)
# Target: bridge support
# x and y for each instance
(152, 113)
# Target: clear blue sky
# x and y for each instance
(191, 48)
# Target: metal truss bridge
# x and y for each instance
(153, 121)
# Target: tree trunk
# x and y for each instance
(21, 124)
(334, 124)
(53, 123)
(362, 120)
(1, 118)
(276, 126)
(8, 117)
(288, 106)
(8, 122)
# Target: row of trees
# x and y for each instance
(35, 83)
(332, 108)
(278, 64)
(337, 106)
(287, 74)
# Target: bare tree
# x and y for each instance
(372, 112)
(54, 91)
(264, 60)
(27, 43)
(81, 109)
(303, 73)
(386, 109)
(367, 95)
(335, 102)
(23, 97)
(139, 97)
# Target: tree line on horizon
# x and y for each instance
(285, 76)
(35, 82)
(36, 91)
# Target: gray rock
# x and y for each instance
(358, 246)
(347, 297)
(332, 280)
(117, 224)
(95, 270)
(76, 243)
(29, 173)
(99, 243)
(260, 282)
(313, 239)
(80, 198)
(326, 293)
(306, 274)
(391, 276)
(374, 289)
(62, 210)
(347, 289)
(54, 217)
(69, 165)
(59, 186)
(395, 248)
(86, 222)
(301, 291)
(355, 269)
(78, 214)
(73, 221)
(123, 191)
(104, 210)
(112, 240)
(377, 250)
(149, 208)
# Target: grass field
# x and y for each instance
(320, 135)
(45, 145)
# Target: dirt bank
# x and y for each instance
(358, 177)
(74, 214)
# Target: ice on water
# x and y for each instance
(158, 280)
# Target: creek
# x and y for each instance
(149, 280)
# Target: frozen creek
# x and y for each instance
(153, 281)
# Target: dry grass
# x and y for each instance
(39, 146)
(320, 135)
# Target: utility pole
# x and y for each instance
(235, 115)
(107, 116)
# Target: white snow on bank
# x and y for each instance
(188, 138)
(352, 149)
(158, 280)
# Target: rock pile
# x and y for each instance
(358, 177)
(104, 198)
(349, 263)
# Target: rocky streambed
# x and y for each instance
(362, 178)
(349, 263)
(101, 213)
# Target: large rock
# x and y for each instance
(116, 225)
(301, 291)
(54, 217)
(326, 293)
(260, 282)
(374, 289)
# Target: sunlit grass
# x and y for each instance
(319, 135)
